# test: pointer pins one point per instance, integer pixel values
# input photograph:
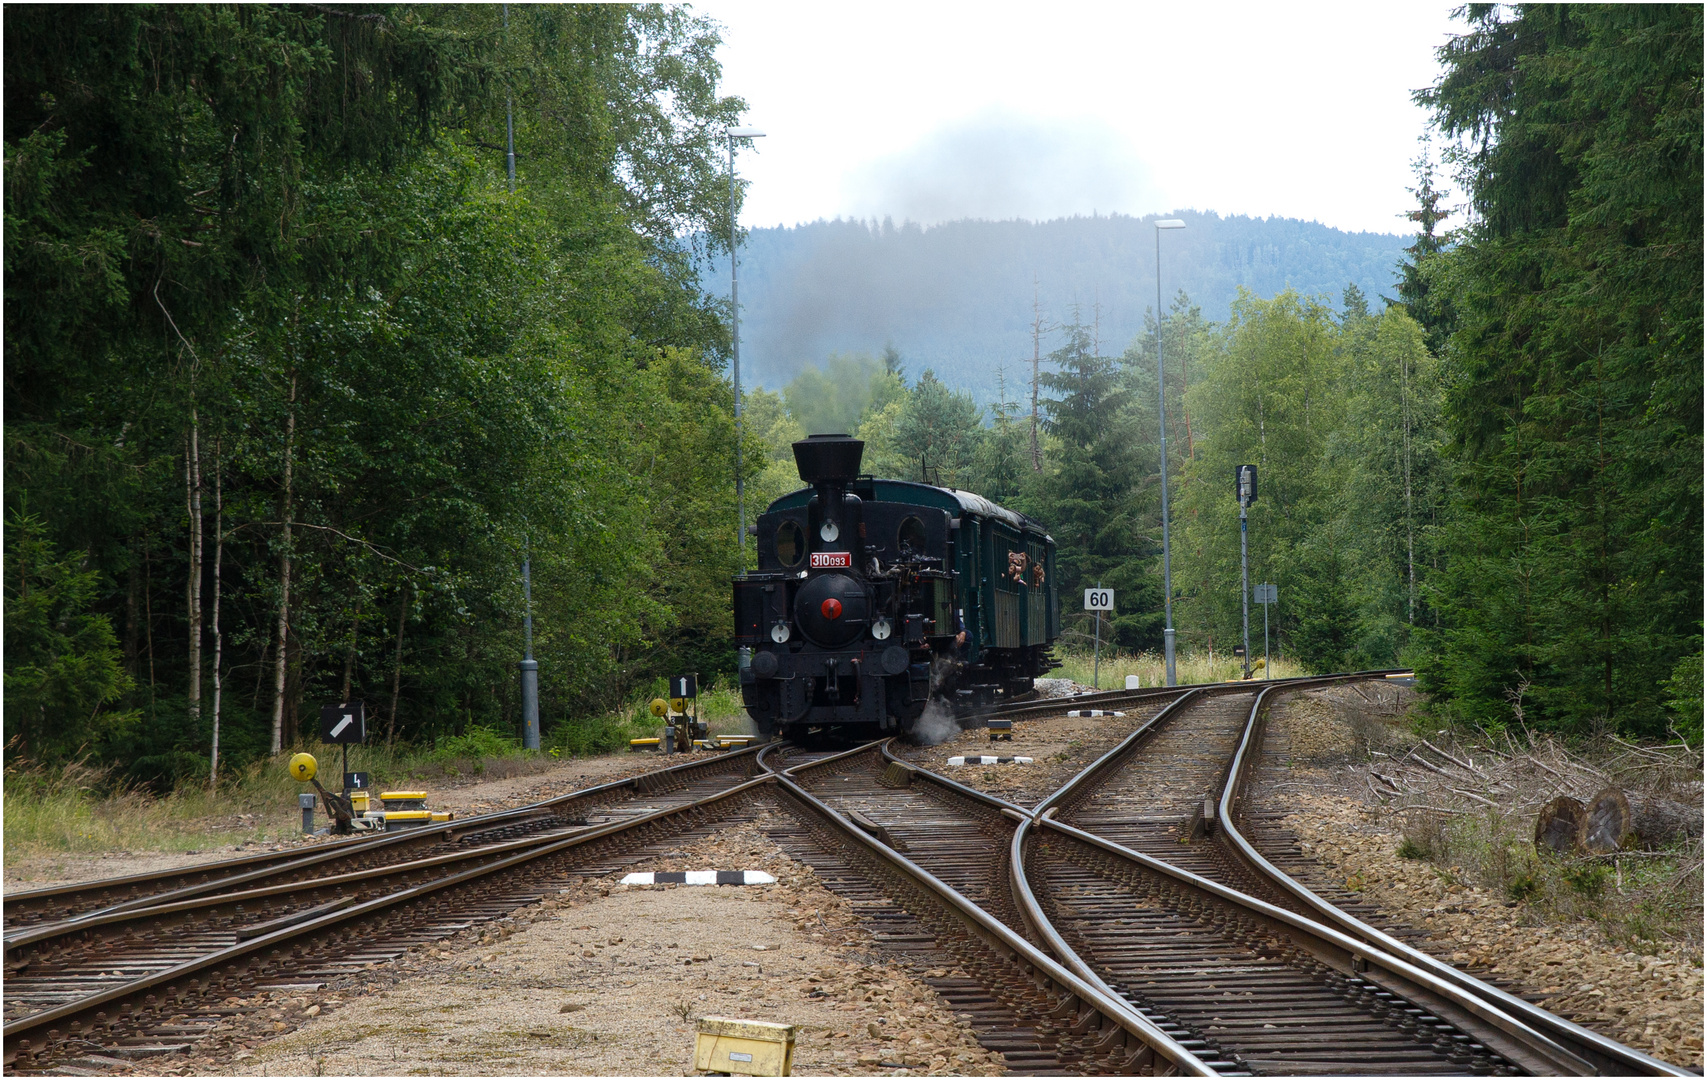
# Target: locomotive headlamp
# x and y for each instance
(829, 531)
(779, 632)
(881, 629)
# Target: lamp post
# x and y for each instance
(1162, 412)
(529, 666)
(735, 332)
(1245, 481)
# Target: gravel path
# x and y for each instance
(607, 980)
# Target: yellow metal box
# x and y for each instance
(743, 1047)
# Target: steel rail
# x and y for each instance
(248, 869)
(1369, 948)
(1350, 955)
(1048, 706)
(86, 1014)
(1002, 939)
(46, 932)
(1336, 950)
(1608, 1055)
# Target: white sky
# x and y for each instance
(934, 111)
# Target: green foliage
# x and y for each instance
(1683, 698)
(1341, 418)
(63, 664)
(1572, 561)
(287, 234)
(475, 744)
(1523, 886)
(1090, 495)
(931, 435)
(1587, 879)
(596, 735)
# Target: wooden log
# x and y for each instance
(1658, 822)
(1606, 822)
(1559, 825)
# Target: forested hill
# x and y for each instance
(957, 297)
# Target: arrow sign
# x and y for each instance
(343, 722)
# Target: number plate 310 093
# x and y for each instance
(825, 559)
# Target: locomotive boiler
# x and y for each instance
(875, 598)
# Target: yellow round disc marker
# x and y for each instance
(679, 704)
(660, 707)
(303, 767)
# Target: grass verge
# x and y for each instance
(1110, 673)
(80, 809)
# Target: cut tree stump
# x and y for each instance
(1559, 826)
(1606, 822)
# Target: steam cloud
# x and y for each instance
(938, 722)
(998, 167)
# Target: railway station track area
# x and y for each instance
(1129, 904)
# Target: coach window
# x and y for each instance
(790, 543)
(912, 535)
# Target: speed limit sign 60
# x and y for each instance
(1099, 599)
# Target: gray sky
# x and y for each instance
(933, 111)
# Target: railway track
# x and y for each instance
(1125, 924)
(1020, 1001)
(115, 986)
(1214, 968)
(595, 805)
(1273, 858)
(1164, 793)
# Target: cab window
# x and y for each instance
(912, 535)
(790, 543)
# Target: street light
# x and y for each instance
(1162, 412)
(1245, 483)
(735, 331)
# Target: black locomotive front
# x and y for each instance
(838, 624)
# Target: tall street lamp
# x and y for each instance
(735, 332)
(1162, 412)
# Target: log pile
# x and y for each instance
(1579, 807)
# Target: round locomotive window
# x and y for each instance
(790, 543)
(912, 535)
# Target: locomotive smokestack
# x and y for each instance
(828, 459)
(829, 463)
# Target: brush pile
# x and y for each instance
(1640, 797)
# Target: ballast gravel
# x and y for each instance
(1059, 748)
(608, 980)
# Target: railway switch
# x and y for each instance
(684, 731)
(349, 811)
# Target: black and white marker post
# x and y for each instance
(1246, 475)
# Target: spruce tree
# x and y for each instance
(1089, 495)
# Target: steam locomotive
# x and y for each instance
(874, 598)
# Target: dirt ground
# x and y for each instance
(1653, 1002)
(609, 980)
